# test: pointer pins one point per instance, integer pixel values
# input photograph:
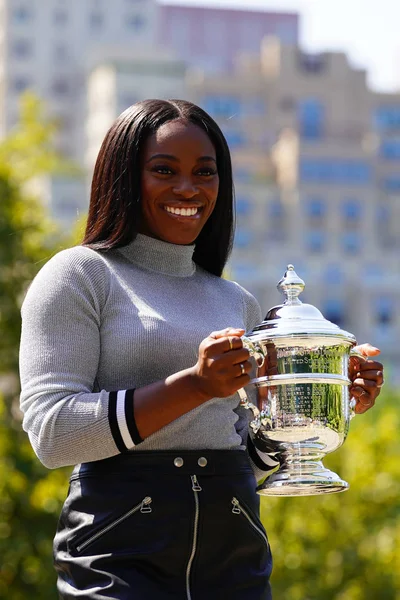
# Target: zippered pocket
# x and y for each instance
(240, 509)
(144, 507)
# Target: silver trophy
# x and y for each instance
(303, 407)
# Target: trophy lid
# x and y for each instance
(293, 318)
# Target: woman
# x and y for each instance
(122, 377)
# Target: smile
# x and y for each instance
(182, 212)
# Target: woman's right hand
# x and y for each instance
(223, 365)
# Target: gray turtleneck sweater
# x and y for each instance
(97, 325)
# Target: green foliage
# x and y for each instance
(30, 495)
(345, 546)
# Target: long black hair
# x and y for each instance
(115, 208)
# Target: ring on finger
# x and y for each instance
(368, 403)
(242, 369)
(230, 343)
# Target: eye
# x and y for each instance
(206, 172)
(162, 170)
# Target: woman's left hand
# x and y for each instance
(366, 376)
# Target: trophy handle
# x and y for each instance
(244, 401)
(255, 351)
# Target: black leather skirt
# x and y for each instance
(163, 525)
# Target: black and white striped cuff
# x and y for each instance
(262, 460)
(122, 420)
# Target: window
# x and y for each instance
(351, 242)
(334, 311)
(312, 63)
(390, 149)
(235, 139)
(242, 238)
(22, 14)
(21, 83)
(22, 48)
(387, 118)
(61, 53)
(333, 274)
(391, 183)
(275, 209)
(255, 107)
(243, 271)
(372, 273)
(315, 241)
(222, 106)
(60, 87)
(311, 115)
(352, 209)
(315, 208)
(339, 171)
(136, 22)
(383, 310)
(96, 20)
(243, 206)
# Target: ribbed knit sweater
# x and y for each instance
(96, 325)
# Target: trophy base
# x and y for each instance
(302, 479)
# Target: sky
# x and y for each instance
(367, 30)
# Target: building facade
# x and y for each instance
(210, 38)
(49, 46)
(316, 157)
(316, 153)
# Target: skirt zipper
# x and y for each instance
(143, 506)
(238, 509)
(196, 488)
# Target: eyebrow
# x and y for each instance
(175, 159)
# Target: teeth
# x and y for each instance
(184, 212)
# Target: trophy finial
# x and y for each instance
(291, 285)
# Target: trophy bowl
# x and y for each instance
(300, 394)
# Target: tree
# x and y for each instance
(30, 495)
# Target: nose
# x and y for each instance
(185, 188)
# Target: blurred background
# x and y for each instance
(307, 93)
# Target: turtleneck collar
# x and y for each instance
(159, 256)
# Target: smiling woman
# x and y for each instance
(131, 359)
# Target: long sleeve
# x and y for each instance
(59, 356)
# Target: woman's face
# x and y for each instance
(179, 182)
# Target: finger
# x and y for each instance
(365, 384)
(226, 360)
(239, 355)
(366, 363)
(374, 377)
(367, 350)
(365, 397)
(234, 331)
(363, 403)
(370, 365)
(243, 368)
(234, 342)
(215, 346)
